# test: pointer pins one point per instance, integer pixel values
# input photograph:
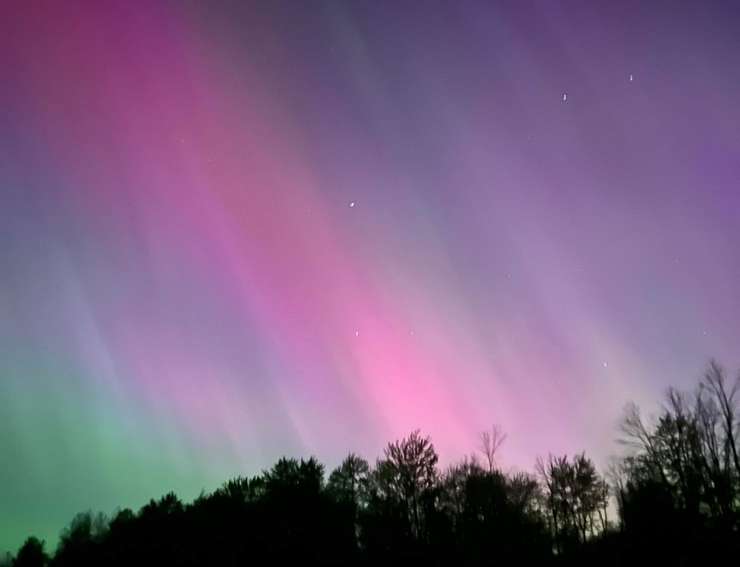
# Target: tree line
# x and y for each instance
(674, 495)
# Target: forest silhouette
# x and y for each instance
(674, 495)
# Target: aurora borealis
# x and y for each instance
(237, 230)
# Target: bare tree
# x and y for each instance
(576, 498)
(714, 381)
(639, 439)
(348, 481)
(453, 482)
(410, 466)
(690, 451)
(490, 443)
(617, 475)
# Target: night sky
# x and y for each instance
(231, 231)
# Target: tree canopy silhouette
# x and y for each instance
(676, 492)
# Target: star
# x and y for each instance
(357, 333)
(351, 204)
(605, 364)
(565, 97)
(631, 77)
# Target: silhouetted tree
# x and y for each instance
(348, 485)
(576, 499)
(495, 518)
(408, 474)
(490, 443)
(79, 542)
(681, 475)
(348, 482)
(31, 554)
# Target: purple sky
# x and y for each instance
(236, 230)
